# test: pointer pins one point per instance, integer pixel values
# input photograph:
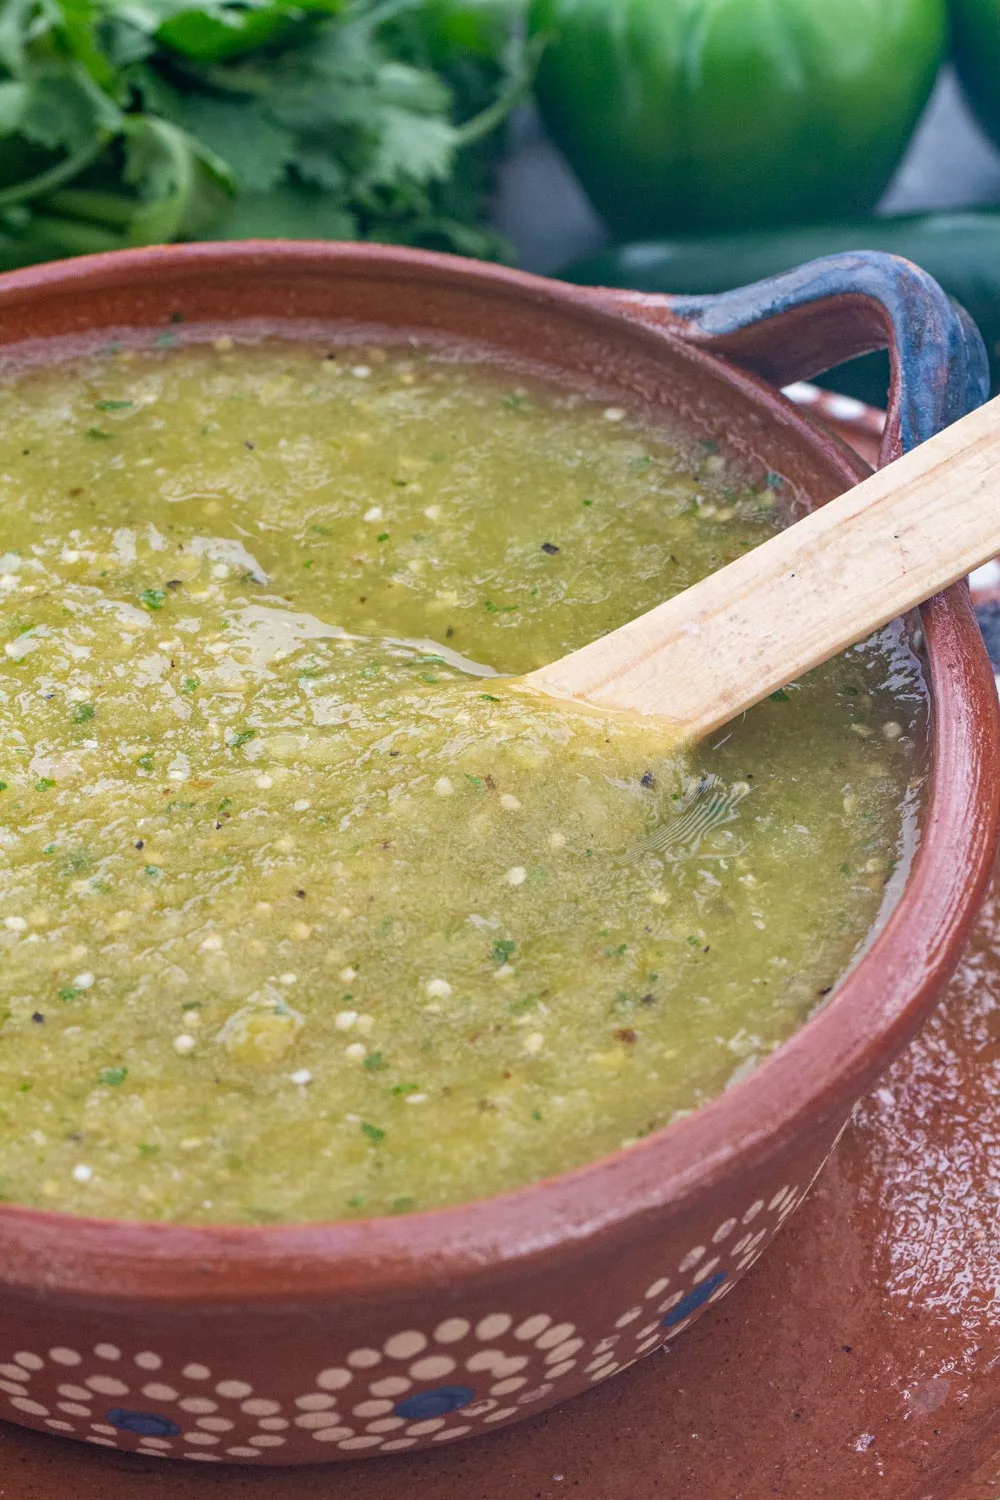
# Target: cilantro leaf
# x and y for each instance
(130, 122)
(244, 135)
(183, 183)
(64, 106)
(289, 212)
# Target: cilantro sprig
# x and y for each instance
(155, 120)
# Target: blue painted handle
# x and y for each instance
(793, 326)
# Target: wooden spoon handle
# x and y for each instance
(817, 587)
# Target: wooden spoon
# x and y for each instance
(815, 588)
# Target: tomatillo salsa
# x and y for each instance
(304, 912)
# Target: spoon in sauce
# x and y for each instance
(822, 584)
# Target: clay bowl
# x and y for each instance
(294, 1344)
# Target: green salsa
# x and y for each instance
(305, 913)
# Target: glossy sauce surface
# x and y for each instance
(304, 913)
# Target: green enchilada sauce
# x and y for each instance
(303, 914)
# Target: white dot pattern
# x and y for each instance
(404, 1345)
(451, 1330)
(409, 1387)
(392, 1385)
(107, 1385)
(318, 1401)
(61, 1356)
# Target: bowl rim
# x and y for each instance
(803, 1092)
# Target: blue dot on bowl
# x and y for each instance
(143, 1423)
(694, 1299)
(435, 1403)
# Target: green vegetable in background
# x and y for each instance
(685, 115)
(961, 250)
(976, 41)
(128, 122)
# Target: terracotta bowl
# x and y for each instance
(293, 1344)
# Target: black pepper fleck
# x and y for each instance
(550, 548)
(38, 1018)
(648, 779)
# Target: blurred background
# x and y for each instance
(666, 145)
(949, 163)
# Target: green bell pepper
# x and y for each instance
(976, 35)
(685, 115)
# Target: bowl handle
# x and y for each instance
(793, 326)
